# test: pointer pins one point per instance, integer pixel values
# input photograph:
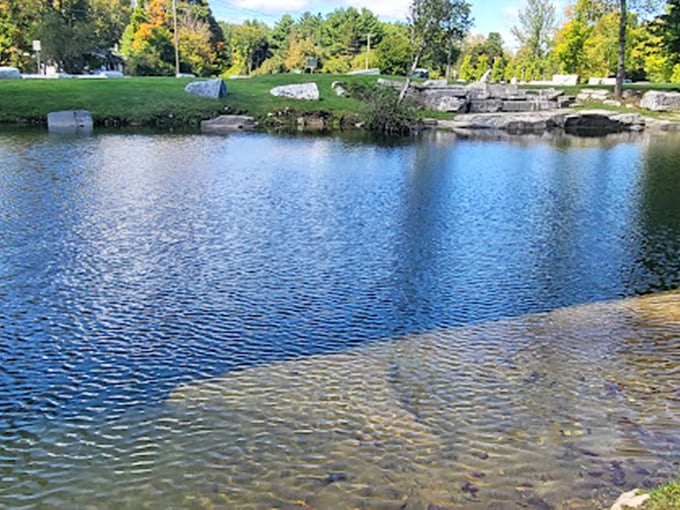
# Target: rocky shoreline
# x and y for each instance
(568, 120)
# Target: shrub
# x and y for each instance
(383, 114)
(273, 65)
(675, 75)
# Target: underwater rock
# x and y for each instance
(630, 499)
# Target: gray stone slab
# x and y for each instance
(225, 124)
(486, 106)
(658, 101)
(447, 104)
(69, 122)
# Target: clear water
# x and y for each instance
(258, 321)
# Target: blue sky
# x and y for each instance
(489, 15)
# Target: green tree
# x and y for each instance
(668, 27)
(481, 54)
(467, 69)
(67, 36)
(19, 21)
(600, 51)
(432, 21)
(308, 26)
(649, 58)
(571, 38)
(280, 35)
(498, 68)
(394, 52)
(205, 51)
(250, 43)
(535, 29)
(108, 20)
(148, 39)
(623, 8)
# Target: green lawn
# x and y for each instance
(151, 101)
(163, 101)
(666, 497)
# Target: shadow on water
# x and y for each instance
(569, 408)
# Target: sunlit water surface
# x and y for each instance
(269, 322)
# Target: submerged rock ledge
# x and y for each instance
(571, 121)
(549, 410)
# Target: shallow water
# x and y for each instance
(505, 413)
(193, 321)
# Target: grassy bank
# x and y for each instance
(154, 101)
(163, 101)
(666, 497)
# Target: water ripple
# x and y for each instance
(130, 265)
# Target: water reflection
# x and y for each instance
(131, 264)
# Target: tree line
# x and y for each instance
(587, 43)
(82, 35)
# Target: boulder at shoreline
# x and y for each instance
(225, 124)
(574, 121)
(69, 122)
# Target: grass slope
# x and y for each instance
(163, 101)
(154, 100)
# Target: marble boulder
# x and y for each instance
(213, 89)
(305, 91)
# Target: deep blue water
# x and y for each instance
(131, 263)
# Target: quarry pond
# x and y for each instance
(258, 321)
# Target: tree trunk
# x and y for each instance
(620, 69)
(448, 64)
(409, 76)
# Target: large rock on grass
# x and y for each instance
(213, 89)
(306, 91)
(9, 73)
(658, 101)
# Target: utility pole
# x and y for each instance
(368, 49)
(174, 21)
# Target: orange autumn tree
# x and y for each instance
(148, 41)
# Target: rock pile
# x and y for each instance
(592, 96)
(482, 97)
(581, 121)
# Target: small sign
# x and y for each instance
(36, 45)
(312, 62)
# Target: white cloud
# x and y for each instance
(272, 6)
(510, 13)
(385, 9)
